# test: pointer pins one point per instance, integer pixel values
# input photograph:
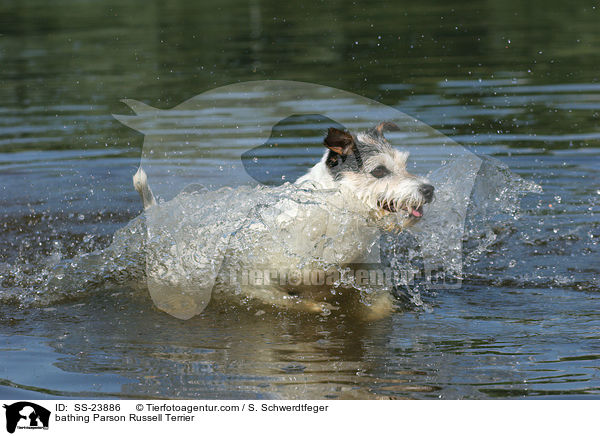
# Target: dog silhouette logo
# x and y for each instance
(274, 132)
(26, 415)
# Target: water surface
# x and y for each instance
(516, 81)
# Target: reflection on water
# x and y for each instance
(510, 79)
(131, 350)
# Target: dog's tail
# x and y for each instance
(140, 183)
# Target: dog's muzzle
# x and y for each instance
(392, 207)
(426, 190)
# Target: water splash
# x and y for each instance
(187, 250)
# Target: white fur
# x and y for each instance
(140, 183)
(318, 173)
(399, 188)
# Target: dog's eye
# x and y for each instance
(380, 172)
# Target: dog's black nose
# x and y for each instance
(427, 191)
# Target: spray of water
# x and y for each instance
(203, 240)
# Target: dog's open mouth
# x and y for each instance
(393, 208)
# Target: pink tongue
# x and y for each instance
(416, 213)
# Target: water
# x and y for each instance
(514, 81)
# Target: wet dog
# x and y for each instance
(367, 166)
(364, 178)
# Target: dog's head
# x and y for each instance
(375, 172)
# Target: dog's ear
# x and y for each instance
(339, 142)
(385, 126)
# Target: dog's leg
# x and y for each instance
(380, 305)
(278, 298)
(140, 183)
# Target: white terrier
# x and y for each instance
(368, 166)
(361, 175)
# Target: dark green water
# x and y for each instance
(519, 81)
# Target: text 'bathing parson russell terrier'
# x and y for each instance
(362, 183)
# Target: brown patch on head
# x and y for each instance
(339, 142)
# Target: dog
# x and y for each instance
(361, 177)
(368, 166)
